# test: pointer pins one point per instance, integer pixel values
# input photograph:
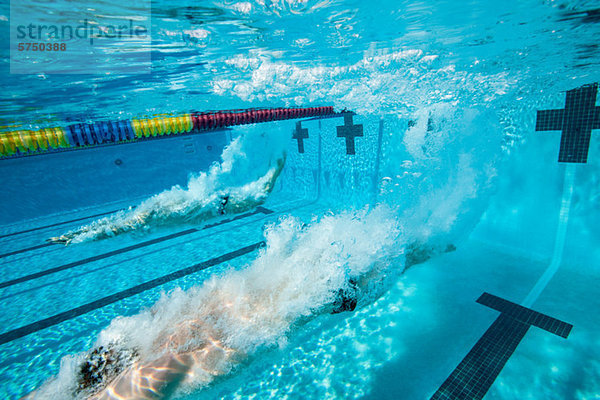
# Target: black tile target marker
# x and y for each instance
(576, 121)
(300, 134)
(479, 369)
(350, 132)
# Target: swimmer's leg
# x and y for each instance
(419, 252)
(239, 201)
(105, 228)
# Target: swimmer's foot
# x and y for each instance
(418, 253)
(62, 239)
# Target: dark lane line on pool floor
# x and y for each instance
(39, 228)
(94, 258)
(86, 308)
(128, 248)
(265, 211)
(14, 253)
(87, 272)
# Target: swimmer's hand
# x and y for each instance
(280, 164)
(281, 161)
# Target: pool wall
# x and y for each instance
(57, 182)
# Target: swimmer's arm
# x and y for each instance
(271, 182)
(238, 204)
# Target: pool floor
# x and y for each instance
(403, 346)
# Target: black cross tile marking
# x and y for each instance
(300, 134)
(591, 16)
(525, 315)
(479, 369)
(349, 131)
(579, 117)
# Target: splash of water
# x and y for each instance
(392, 82)
(209, 330)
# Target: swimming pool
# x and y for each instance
(440, 198)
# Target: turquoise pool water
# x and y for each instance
(449, 164)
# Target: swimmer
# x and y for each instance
(197, 345)
(159, 379)
(178, 206)
(115, 373)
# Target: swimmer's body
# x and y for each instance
(158, 379)
(116, 373)
(230, 201)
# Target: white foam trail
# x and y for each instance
(391, 82)
(231, 317)
(235, 177)
(559, 242)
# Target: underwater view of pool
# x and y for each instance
(300, 199)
